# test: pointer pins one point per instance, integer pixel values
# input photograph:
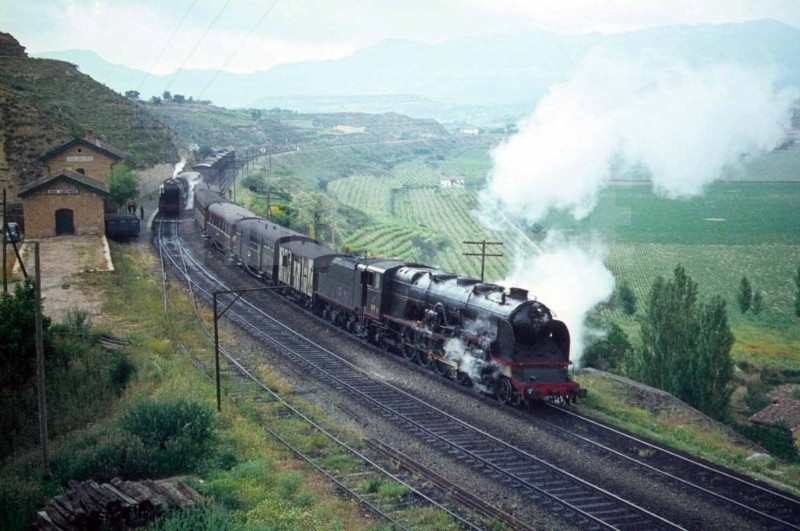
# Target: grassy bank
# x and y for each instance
(682, 429)
(253, 482)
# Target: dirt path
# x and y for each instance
(64, 260)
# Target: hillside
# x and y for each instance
(44, 103)
(459, 79)
(209, 125)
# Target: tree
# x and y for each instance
(797, 292)
(132, 94)
(313, 210)
(668, 330)
(684, 347)
(711, 366)
(608, 353)
(179, 98)
(167, 96)
(123, 185)
(745, 295)
(18, 334)
(758, 303)
(429, 245)
(627, 298)
(155, 100)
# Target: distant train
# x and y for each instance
(173, 194)
(475, 333)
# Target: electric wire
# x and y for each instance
(236, 51)
(197, 44)
(175, 30)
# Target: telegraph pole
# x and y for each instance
(5, 231)
(40, 367)
(217, 316)
(269, 181)
(483, 254)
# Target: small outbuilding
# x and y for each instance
(66, 202)
(70, 197)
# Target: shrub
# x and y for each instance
(19, 500)
(78, 323)
(120, 373)
(756, 398)
(391, 492)
(198, 518)
(288, 483)
(777, 441)
(277, 514)
(608, 353)
(177, 432)
(101, 456)
(305, 498)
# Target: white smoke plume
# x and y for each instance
(570, 278)
(178, 167)
(680, 124)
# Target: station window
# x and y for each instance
(81, 171)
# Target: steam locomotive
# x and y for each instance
(173, 193)
(479, 334)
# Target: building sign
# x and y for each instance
(82, 158)
(68, 191)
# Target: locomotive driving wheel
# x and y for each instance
(506, 394)
(425, 358)
(409, 350)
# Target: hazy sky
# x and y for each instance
(247, 35)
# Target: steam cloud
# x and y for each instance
(676, 124)
(679, 124)
(569, 278)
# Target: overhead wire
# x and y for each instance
(239, 47)
(197, 44)
(166, 45)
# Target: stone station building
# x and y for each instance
(70, 198)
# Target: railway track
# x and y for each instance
(577, 500)
(771, 508)
(243, 385)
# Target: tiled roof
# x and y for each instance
(784, 412)
(90, 141)
(98, 187)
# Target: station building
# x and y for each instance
(70, 197)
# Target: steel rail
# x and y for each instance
(378, 397)
(279, 399)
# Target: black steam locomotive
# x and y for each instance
(476, 333)
(173, 193)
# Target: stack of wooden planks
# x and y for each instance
(115, 505)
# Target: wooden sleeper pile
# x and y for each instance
(115, 505)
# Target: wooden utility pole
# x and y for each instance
(483, 254)
(40, 367)
(5, 231)
(269, 180)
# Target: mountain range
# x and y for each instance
(472, 78)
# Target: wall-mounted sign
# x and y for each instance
(81, 158)
(68, 191)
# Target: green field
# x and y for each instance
(735, 228)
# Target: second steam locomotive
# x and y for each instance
(476, 333)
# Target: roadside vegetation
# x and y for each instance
(146, 412)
